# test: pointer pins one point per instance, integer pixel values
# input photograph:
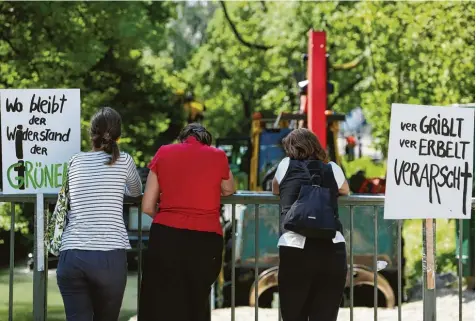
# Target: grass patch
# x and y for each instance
(23, 298)
(446, 260)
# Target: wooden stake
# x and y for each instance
(430, 258)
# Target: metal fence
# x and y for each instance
(40, 278)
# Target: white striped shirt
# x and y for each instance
(95, 221)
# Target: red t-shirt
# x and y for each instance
(190, 176)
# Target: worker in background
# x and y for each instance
(193, 108)
(350, 147)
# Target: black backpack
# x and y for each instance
(313, 214)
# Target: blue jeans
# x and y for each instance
(92, 284)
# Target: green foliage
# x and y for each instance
(21, 224)
(237, 57)
(97, 47)
(380, 53)
(133, 56)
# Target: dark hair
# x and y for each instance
(198, 131)
(302, 144)
(105, 131)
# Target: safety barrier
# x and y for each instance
(244, 198)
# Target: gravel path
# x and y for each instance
(447, 310)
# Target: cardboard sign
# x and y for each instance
(40, 132)
(430, 162)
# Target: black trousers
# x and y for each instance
(180, 268)
(92, 284)
(312, 280)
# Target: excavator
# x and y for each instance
(254, 160)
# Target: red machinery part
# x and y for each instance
(317, 87)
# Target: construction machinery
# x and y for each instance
(253, 161)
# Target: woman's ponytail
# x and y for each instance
(110, 146)
(105, 131)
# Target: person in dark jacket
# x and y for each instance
(312, 271)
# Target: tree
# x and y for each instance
(97, 47)
(380, 53)
(185, 33)
(428, 59)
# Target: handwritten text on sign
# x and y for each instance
(40, 132)
(430, 162)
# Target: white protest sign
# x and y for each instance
(40, 132)
(430, 162)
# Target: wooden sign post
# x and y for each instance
(429, 270)
(430, 254)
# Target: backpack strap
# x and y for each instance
(313, 178)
